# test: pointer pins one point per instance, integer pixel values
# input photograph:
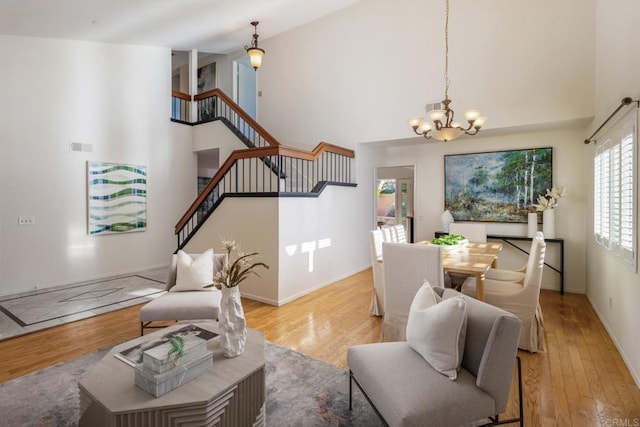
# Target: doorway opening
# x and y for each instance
(394, 197)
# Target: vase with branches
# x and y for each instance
(550, 199)
(547, 204)
(232, 325)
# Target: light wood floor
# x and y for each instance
(579, 380)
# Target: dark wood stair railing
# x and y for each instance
(180, 107)
(265, 169)
(223, 108)
(269, 172)
(216, 105)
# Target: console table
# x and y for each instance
(231, 393)
(509, 241)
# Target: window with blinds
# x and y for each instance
(614, 216)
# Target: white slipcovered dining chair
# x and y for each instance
(377, 300)
(521, 299)
(514, 275)
(398, 234)
(386, 234)
(473, 232)
(406, 267)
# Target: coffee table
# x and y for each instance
(231, 393)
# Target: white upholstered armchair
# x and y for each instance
(184, 301)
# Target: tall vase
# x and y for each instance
(232, 325)
(549, 223)
(445, 220)
(532, 225)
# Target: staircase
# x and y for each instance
(264, 169)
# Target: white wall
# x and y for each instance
(252, 223)
(116, 98)
(357, 75)
(320, 241)
(306, 242)
(617, 70)
(216, 135)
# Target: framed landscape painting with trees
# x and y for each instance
(498, 186)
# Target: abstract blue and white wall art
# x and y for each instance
(117, 196)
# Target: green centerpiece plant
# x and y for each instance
(448, 240)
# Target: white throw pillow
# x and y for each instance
(437, 331)
(425, 297)
(194, 274)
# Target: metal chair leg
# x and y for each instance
(350, 389)
(520, 420)
(352, 378)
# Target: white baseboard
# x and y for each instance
(283, 301)
(259, 298)
(635, 375)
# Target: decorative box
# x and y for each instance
(158, 384)
(157, 359)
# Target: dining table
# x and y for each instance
(473, 259)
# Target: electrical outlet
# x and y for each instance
(26, 220)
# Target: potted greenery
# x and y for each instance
(450, 242)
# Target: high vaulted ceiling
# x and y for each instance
(214, 26)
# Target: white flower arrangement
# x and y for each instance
(238, 268)
(550, 199)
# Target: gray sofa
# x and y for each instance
(187, 305)
(406, 391)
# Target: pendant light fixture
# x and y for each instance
(254, 52)
(443, 126)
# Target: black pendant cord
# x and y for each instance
(625, 101)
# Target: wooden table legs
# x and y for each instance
(480, 286)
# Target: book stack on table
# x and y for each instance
(161, 373)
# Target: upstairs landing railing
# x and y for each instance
(216, 105)
(266, 169)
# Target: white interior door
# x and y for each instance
(245, 87)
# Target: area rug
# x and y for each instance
(301, 391)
